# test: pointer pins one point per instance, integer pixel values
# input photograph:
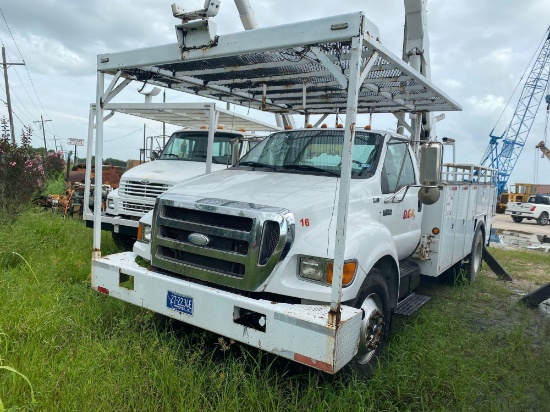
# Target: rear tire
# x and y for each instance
(543, 219)
(374, 300)
(476, 256)
(124, 242)
(517, 219)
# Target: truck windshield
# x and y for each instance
(190, 146)
(314, 152)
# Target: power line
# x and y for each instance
(121, 137)
(20, 101)
(27, 70)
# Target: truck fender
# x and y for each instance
(372, 245)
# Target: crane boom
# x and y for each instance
(503, 151)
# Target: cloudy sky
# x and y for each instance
(480, 50)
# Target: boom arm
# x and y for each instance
(416, 52)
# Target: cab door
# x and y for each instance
(402, 214)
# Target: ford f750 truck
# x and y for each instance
(309, 245)
(237, 251)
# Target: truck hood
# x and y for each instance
(168, 171)
(287, 190)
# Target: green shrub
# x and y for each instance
(22, 172)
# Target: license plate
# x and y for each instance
(179, 303)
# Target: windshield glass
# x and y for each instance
(314, 152)
(191, 146)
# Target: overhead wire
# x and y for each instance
(28, 74)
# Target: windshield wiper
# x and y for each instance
(256, 164)
(309, 168)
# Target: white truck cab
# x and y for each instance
(293, 175)
(183, 157)
(264, 231)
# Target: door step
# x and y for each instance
(411, 304)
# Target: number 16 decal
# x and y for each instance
(304, 222)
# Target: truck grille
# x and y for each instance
(229, 243)
(136, 207)
(137, 189)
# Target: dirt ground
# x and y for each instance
(505, 222)
(525, 235)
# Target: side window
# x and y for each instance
(397, 155)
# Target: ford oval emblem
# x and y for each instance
(198, 239)
(145, 182)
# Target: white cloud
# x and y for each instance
(488, 103)
(499, 56)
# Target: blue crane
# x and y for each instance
(504, 150)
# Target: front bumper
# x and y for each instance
(301, 333)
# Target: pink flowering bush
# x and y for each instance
(22, 174)
(54, 165)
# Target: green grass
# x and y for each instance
(470, 348)
(56, 186)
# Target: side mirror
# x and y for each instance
(431, 163)
(154, 155)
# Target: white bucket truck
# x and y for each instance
(308, 245)
(184, 156)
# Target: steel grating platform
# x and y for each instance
(299, 68)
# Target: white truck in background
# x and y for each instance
(183, 157)
(317, 236)
(187, 153)
(536, 208)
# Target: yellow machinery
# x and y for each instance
(519, 192)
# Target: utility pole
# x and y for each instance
(5, 65)
(44, 132)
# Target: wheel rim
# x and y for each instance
(372, 329)
(544, 219)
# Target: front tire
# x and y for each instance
(476, 256)
(517, 219)
(374, 300)
(543, 219)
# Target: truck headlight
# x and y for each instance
(144, 233)
(312, 268)
(110, 203)
(321, 270)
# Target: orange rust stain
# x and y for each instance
(306, 360)
(334, 318)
